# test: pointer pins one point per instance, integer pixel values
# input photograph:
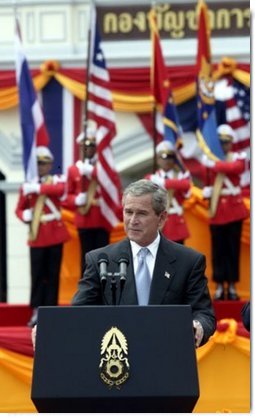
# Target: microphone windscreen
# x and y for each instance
(123, 258)
(103, 258)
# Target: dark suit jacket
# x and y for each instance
(245, 314)
(178, 278)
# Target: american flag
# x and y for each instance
(33, 128)
(238, 117)
(233, 103)
(100, 110)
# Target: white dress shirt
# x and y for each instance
(151, 257)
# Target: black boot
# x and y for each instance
(232, 294)
(219, 293)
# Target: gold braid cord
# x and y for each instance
(90, 198)
(170, 197)
(171, 191)
(39, 205)
(217, 189)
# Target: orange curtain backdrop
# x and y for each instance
(15, 382)
(70, 266)
(130, 87)
(221, 365)
(223, 369)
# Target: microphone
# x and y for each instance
(103, 262)
(123, 263)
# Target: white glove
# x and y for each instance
(199, 332)
(158, 180)
(207, 192)
(28, 188)
(207, 162)
(81, 199)
(85, 168)
(27, 215)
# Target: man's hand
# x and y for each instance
(207, 162)
(27, 215)
(28, 188)
(207, 192)
(80, 199)
(157, 180)
(33, 336)
(199, 332)
(85, 168)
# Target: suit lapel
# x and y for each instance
(163, 274)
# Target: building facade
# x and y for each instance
(57, 31)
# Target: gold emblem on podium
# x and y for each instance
(114, 365)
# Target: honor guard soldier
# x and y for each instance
(83, 196)
(226, 214)
(177, 181)
(39, 207)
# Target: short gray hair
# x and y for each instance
(143, 187)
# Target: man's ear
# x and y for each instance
(162, 219)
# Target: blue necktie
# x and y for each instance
(143, 278)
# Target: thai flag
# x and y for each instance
(63, 118)
(33, 129)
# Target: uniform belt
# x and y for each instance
(48, 217)
(233, 191)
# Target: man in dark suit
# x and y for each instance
(176, 273)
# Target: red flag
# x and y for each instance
(160, 85)
(100, 109)
(204, 33)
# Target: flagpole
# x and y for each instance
(154, 113)
(87, 77)
(15, 9)
(154, 110)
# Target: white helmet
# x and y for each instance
(91, 131)
(225, 133)
(44, 154)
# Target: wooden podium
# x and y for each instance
(115, 359)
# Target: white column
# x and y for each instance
(18, 265)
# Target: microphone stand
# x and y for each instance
(121, 275)
(112, 276)
(114, 288)
(122, 282)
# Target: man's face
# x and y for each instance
(226, 146)
(166, 164)
(89, 151)
(44, 167)
(140, 221)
